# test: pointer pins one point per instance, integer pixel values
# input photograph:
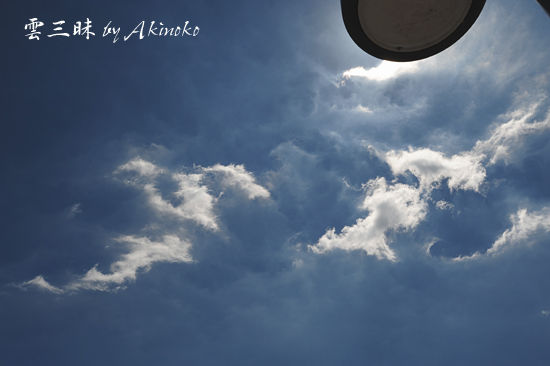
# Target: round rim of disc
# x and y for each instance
(353, 26)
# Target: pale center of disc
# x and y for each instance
(411, 25)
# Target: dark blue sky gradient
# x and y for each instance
(262, 85)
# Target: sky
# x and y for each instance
(265, 193)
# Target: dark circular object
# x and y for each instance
(408, 30)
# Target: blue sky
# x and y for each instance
(266, 193)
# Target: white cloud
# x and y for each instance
(236, 176)
(525, 227)
(400, 206)
(384, 71)
(508, 135)
(74, 210)
(428, 246)
(444, 205)
(190, 202)
(196, 203)
(142, 167)
(142, 254)
(466, 170)
(431, 167)
(391, 207)
(41, 283)
(362, 109)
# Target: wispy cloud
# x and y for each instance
(140, 166)
(142, 254)
(444, 205)
(40, 283)
(525, 227)
(236, 176)
(74, 210)
(192, 202)
(507, 136)
(192, 199)
(362, 109)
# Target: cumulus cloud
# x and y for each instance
(236, 176)
(463, 171)
(400, 206)
(385, 70)
(191, 202)
(391, 207)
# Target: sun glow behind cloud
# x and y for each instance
(384, 71)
